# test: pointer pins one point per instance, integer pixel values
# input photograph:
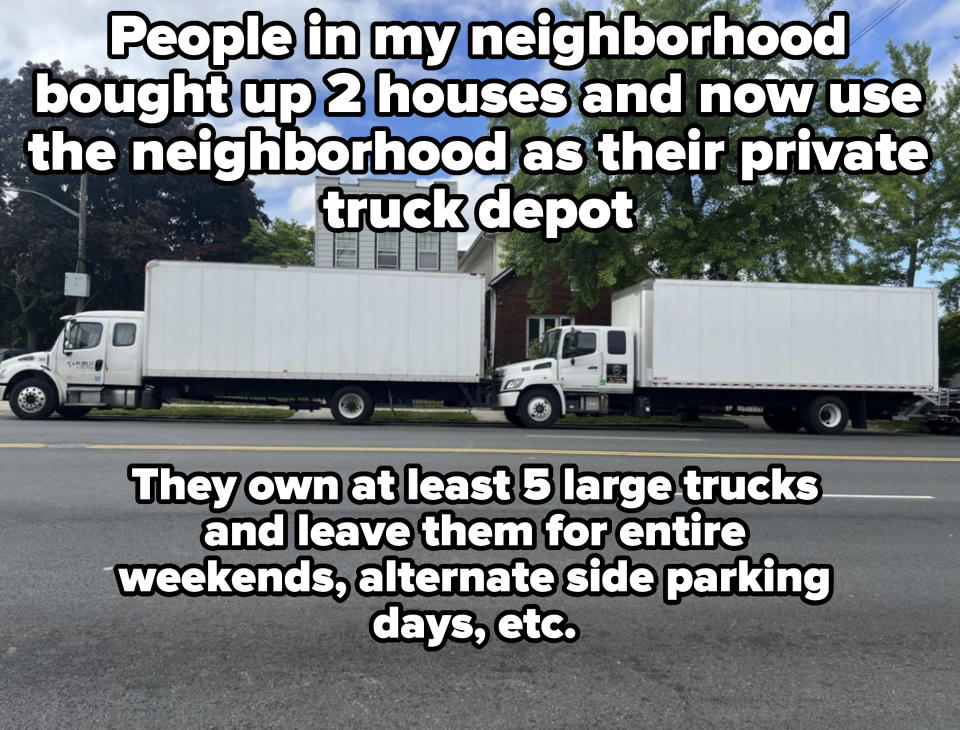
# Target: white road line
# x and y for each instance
(610, 438)
(880, 496)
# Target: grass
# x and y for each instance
(702, 422)
(178, 412)
(251, 413)
(913, 425)
(385, 415)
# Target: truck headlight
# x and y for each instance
(513, 384)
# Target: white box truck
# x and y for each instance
(813, 356)
(309, 337)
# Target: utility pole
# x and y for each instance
(82, 236)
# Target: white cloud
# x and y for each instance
(946, 18)
(236, 125)
(301, 203)
(942, 71)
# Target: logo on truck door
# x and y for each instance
(616, 373)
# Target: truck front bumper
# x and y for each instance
(3, 391)
(507, 399)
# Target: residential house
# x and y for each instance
(511, 323)
(366, 249)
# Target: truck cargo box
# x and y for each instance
(258, 321)
(718, 334)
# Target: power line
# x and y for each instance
(883, 16)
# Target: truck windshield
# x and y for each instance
(549, 343)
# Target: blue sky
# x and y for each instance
(75, 33)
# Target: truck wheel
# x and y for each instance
(538, 408)
(351, 405)
(511, 415)
(72, 413)
(827, 414)
(33, 399)
(783, 420)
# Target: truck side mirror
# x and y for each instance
(67, 329)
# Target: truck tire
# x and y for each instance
(538, 408)
(72, 413)
(825, 415)
(351, 405)
(511, 415)
(33, 399)
(782, 419)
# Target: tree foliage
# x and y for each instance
(281, 242)
(949, 345)
(131, 218)
(788, 227)
(909, 222)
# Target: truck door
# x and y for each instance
(580, 360)
(84, 350)
(617, 361)
(124, 353)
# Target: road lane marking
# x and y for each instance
(610, 438)
(880, 496)
(505, 451)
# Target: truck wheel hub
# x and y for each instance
(540, 409)
(31, 399)
(351, 405)
(830, 415)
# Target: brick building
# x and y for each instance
(511, 323)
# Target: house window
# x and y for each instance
(538, 326)
(428, 251)
(388, 250)
(345, 250)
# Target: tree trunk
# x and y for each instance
(914, 251)
(31, 332)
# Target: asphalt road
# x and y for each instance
(883, 652)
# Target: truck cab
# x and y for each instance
(582, 369)
(96, 362)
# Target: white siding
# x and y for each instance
(323, 247)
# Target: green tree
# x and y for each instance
(789, 227)
(281, 242)
(909, 222)
(131, 218)
(949, 345)
(811, 219)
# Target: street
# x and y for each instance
(883, 652)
